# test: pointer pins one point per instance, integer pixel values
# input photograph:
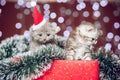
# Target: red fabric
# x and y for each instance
(37, 16)
(72, 70)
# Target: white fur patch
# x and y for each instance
(84, 29)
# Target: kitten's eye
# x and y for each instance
(93, 39)
(48, 34)
(40, 34)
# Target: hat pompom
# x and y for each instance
(33, 3)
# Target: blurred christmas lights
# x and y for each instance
(108, 46)
(3, 2)
(110, 35)
(86, 13)
(60, 19)
(18, 25)
(0, 33)
(53, 15)
(116, 25)
(95, 6)
(106, 19)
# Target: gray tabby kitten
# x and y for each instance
(43, 36)
(79, 44)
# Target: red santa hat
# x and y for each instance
(39, 21)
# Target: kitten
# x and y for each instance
(79, 44)
(43, 36)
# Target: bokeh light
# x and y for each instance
(17, 6)
(62, 10)
(116, 25)
(108, 46)
(97, 24)
(97, 13)
(3, 2)
(68, 22)
(68, 11)
(59, 1)
(26, 11)
(28, 5)
(18, 25)
(47, 17)
(66, 33)
(86, 14)
(19, 15)
(103, 3)
(69, 28)
(53, 15)
(106, 19)
(62, 1)
(79, 1)
(117, 38)
(95, 6)
(27, 35)
(75, 14)
(46, 6)
(116, 13)
(47, 12)
(110, 35)
(0, 33)
(60, 19)
(80, 6)
(20, 2)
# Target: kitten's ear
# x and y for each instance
(57, 29)
(91, 28)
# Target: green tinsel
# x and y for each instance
(31, 62)
(13, 45)
(19, 44)
(41, 59)
(109, 64)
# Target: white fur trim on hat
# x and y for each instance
(35, 27)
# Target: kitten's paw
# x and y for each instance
(88, 58)
(77, 58)
(69, 58)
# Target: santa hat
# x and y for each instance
(39, 21)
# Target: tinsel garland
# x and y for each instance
(13, 45)
(33, 63)
(19, 44)
(109, 64)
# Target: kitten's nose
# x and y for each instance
(44, 39)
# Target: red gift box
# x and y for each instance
(72, 70)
